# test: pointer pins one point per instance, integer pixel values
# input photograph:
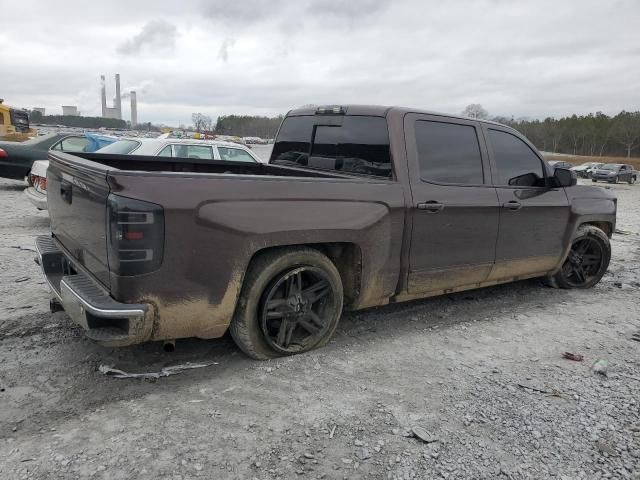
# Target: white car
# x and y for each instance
(183, 148)
(154, 147)
(37, 192)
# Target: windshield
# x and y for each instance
(611, 166)
(121, 147)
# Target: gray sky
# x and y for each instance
(521, 58)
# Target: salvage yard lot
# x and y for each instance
(481, 371)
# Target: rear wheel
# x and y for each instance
(290, 303)
(587, 261)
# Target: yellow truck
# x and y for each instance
(14, 124)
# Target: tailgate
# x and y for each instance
(77, 192)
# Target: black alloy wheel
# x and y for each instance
(297, 310)
(583, 263)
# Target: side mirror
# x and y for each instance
(524, 180)
(565, 177)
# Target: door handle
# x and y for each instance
(431, 206)
(512, 205)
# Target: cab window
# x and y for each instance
(357, 145)
(516, 163)
(449, 153)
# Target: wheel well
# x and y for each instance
(347, 258)
(606, 227)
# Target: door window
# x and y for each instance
(193, 151)
(516, 163)
(234, 155)
(71, 144)
(165, 152)
(448, 153)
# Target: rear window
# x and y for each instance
(234, 155)
(350, 144)
(121, 147)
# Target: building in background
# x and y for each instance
(116, 110)
(134, 110)
(40, 110)
(70, 110)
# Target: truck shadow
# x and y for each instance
(87, 389)
(12, 187)
(363, 326)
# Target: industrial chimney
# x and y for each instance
(118, 104)
(134, 110)
(103, 93)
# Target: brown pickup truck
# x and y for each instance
(359, 206)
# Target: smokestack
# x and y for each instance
(134, 110)
(103, 93)
(118, 104)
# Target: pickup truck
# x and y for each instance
(359, 206)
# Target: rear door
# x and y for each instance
(455, 208)
(77, 203)
(625, 173)
(533, 216)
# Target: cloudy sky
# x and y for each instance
(530, 58)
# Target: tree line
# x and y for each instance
(248, 126)
(595, 134)
(77, 121)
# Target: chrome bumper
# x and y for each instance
(105, 320)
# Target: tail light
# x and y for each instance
(136, 235)
(3, 154)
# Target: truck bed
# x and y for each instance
(141, 164)
(216, 216)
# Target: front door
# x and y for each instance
(455, 208)
(533, 216)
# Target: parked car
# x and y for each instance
(16, 158)
(614, 173)
(586, 169)
(171, 147)
(359, 206)
(183, 148)
(36, 192)
(560, 164)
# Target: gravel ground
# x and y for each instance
(480, 371)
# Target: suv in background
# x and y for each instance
(614, 173)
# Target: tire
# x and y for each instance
(615, 179)
(583, 259)
(593, 180)
(632, 180)
(253, 327)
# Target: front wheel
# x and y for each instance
(291, 302)
(587, 261)
(615, 179)
(594, 180)
(632, 180)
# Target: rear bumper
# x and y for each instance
(107, 321)
(38, 199)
